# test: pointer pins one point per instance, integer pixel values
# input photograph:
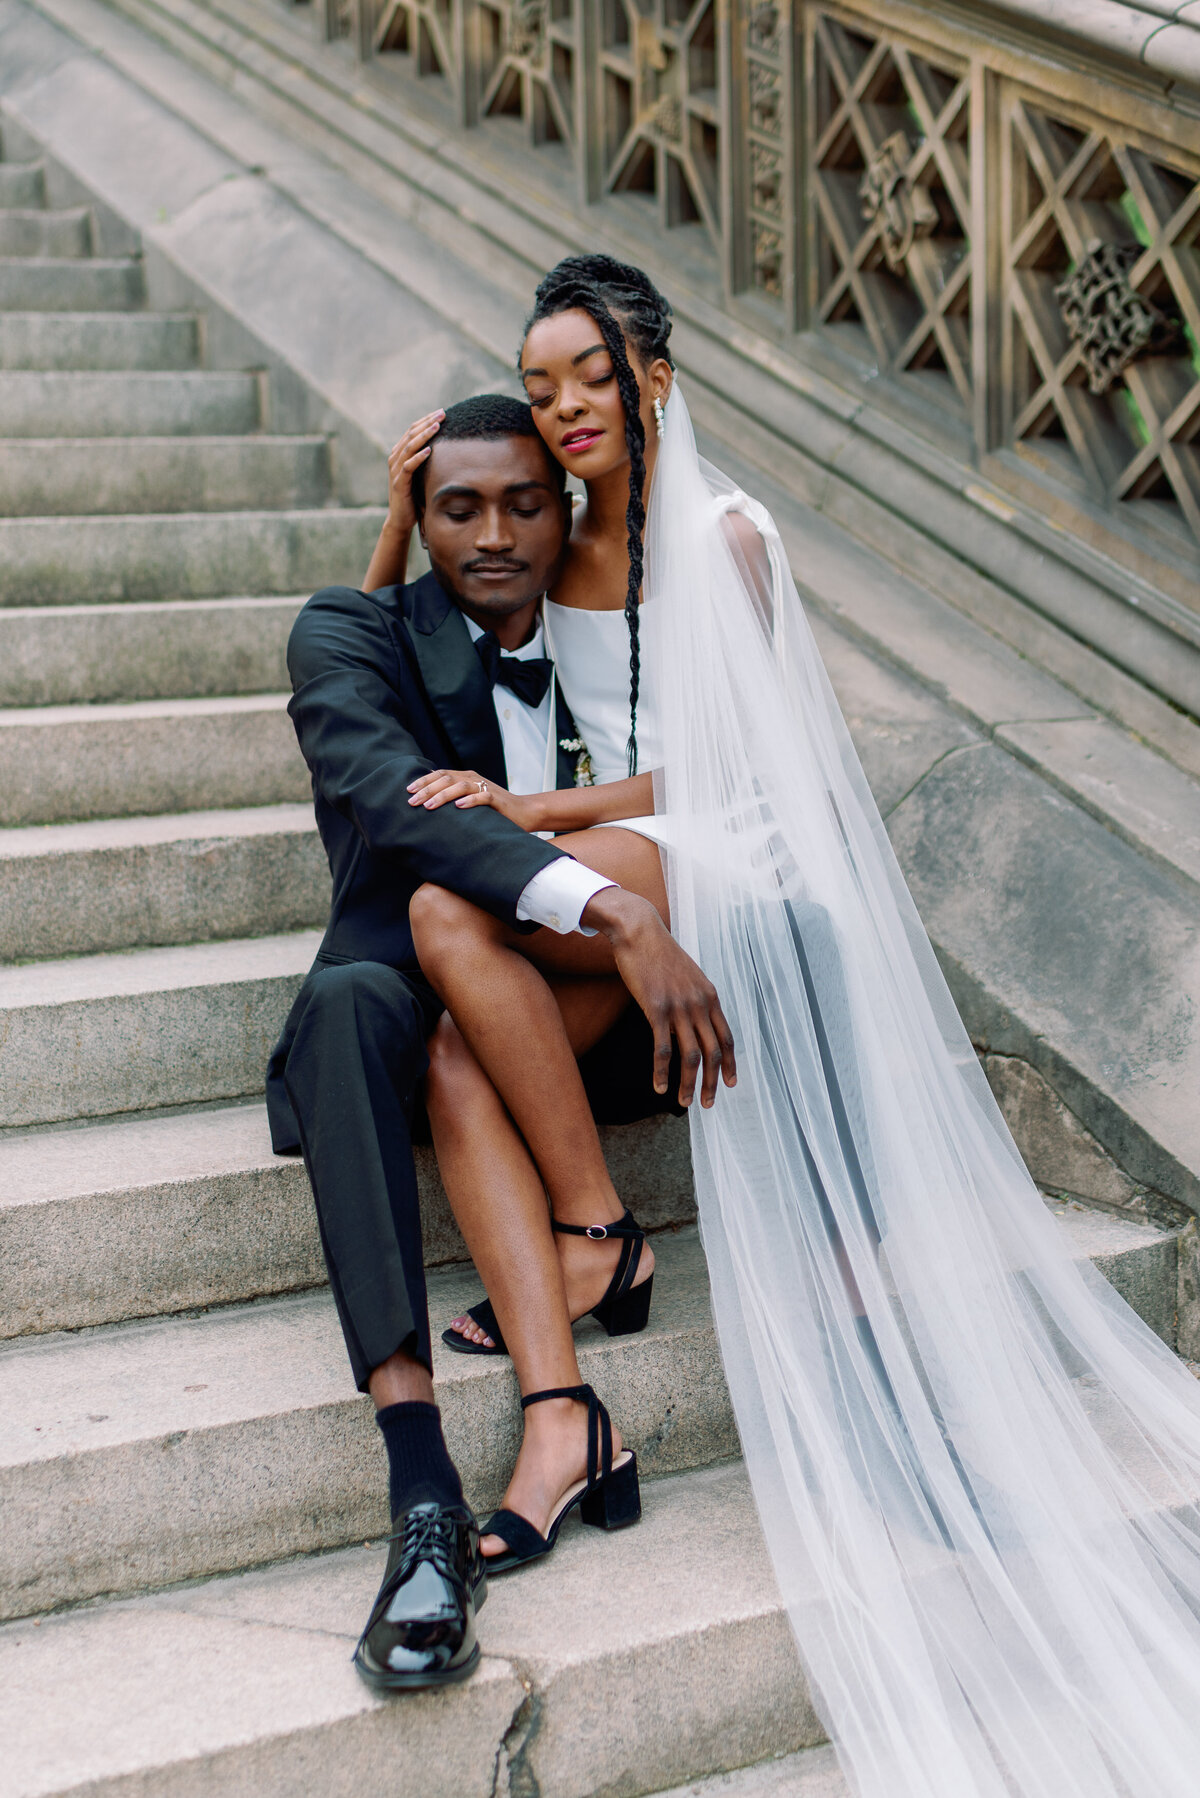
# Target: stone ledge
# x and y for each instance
(1066, 948)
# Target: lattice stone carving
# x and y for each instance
(426, 34)
(658, 108)
(1112, 323)
(530, 67)
(889, 155)
(1102, 333)
(901, 209)
(765, 152)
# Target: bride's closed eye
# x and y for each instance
(539, 401)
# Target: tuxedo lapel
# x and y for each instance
(454, 679)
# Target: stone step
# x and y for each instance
(61, 476)
(122, 403)
(97, 340)
(52, 284)
(138, 1454)
(151, 1215)
(97, 1034)
(183, 555)
(114, 1220)
(28, 232)
(157, 755)
(610, 1668)
(143, 1453)
(83, 889)
(813, 1773)
(22, 184)
(190, 648)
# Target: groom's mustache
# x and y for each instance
(490, 565)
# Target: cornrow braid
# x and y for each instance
(615, 294)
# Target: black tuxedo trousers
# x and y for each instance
(385, 686)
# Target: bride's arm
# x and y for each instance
(575, 808)
(566, 808)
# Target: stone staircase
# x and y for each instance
(188, 1551)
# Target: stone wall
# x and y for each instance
(977, 219)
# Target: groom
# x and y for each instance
(448, 671)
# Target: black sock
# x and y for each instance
(420, 1470)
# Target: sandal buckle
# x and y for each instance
(597, 1232)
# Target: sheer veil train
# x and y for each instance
(975, 1467)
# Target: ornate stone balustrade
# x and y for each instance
(991, 211)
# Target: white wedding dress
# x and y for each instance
(977, 1470)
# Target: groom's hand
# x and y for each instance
(676, 996)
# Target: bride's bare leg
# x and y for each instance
(497, 1196)
(501, 1000)
(495, 1190)
(492, 981)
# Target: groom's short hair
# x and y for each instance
(487, 415)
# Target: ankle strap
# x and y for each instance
(584, 1394)
(600, 1446)
(624, 1226)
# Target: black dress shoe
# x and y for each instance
(421, 1631)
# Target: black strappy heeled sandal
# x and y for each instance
(609, 1498)
(623, 1311)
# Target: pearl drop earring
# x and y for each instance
(659, 417)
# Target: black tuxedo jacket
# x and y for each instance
(386, 686)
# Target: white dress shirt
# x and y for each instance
(557, 894)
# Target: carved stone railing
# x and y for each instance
(990, 210)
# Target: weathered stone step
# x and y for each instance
(182, 555)
(120, 883)
(193, 648)
(98, 1034)
(153, 1215)
(97, 340)
(610, 1668)
(42, 477)
(144, 1453)
(52, 284)
(156, 755)
(28, 232)
(123, 403)
(22, 184)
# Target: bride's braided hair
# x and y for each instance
(624, 303)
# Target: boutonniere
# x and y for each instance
(584, 775)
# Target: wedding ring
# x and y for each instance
(483, 786)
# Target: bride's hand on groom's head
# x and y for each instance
(464, 789)
(405, 458)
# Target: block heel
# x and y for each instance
(628, 1313)
(616, 1502)
(608, 1498)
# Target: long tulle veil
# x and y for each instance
(976, 1468)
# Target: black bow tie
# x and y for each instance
(528, 680)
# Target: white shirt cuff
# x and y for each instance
(557, 895)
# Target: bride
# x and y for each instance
(976, 1469)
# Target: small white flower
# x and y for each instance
(584, 774)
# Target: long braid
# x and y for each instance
(589, 283)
